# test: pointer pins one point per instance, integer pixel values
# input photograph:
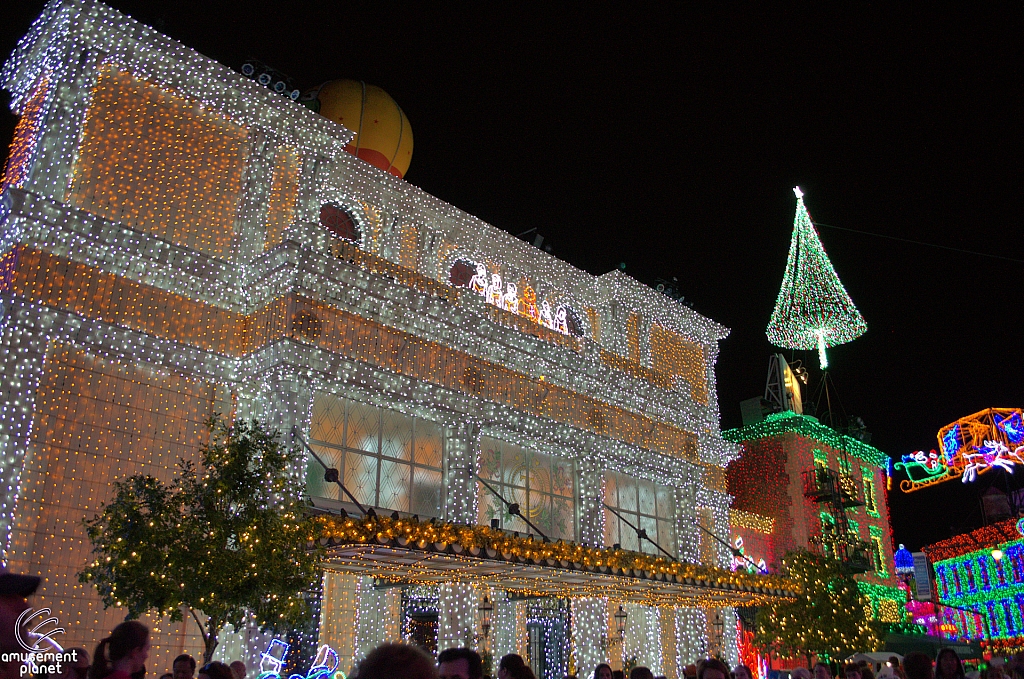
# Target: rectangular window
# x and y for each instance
(878, 549)
(544, 487)
(870, 501)
(647, 506)
(386, 459)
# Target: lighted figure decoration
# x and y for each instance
(922, 467)
(325, 664)
(904, 561)
(511, 298)
(506, 296)
(989, 439)
(1020, 526)
(478, 283)
(272, 659)
(494, 291)
(813, 310)
(561, 324)
(545, 315)
(528, 303)
(742, 561)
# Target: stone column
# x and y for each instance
(589, 633)
(462, 457)
(377, 618)
(691, 636)
(591, 502)
(688, 534)
(456, 627)
(23, 344)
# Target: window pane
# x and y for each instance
(627, 536)
(490, 460)
(394, 485)
(646, 498)
(562, 477)
(426, 492)
(509, 522)
(627, 494)
(514, 463)
(361, 477)
(363, 427)
(540, 473)
(563, 520)
(396, 435)
(663, 497)
(315, 484)
(327, 423)
(666, 535)
(611, 528)
(651, 526)
(428, 444)
(490, 506)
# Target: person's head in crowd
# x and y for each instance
(238, 669)
(166, 675)
(643, 673)
(512, 666)
(743, 672)
(77, 668)
(712, 668)
(948, 665)
(124, 651)
(801, 673)
(215, 670)
(391, 660)
(917, 665)
(184, 667)
(822, 671)
(851, 671)
(603, 671)
(459, 663)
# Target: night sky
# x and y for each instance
(671, 142)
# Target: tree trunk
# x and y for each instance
(210, 638)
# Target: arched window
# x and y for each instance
(461, 273)
(339, 223)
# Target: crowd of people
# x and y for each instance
(123, 655)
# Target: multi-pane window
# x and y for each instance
(870, 503)
(386, 459)
(542, 485)
(644, 504)
(877, 550)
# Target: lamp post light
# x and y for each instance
(719, 627)
(485, 609)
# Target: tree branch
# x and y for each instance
(202, 630)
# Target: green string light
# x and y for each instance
(813, 310)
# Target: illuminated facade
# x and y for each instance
(979, 581)
(179, 242)
(779, 505)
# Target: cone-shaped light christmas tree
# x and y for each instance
(813, 310)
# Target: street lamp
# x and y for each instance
(620, 621)
(485, 609)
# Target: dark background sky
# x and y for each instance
(671, 141)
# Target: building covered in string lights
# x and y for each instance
(540, 447)
(979, 584)
(799, 484)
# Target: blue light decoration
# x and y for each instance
(325, 665)
(904, 561)
(272, 659)
(1012, 425)
(1020, 526)
(951, 443)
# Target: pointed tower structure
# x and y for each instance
(813, 310)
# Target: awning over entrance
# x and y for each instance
(420, 553)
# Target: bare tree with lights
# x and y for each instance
(225, 540)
